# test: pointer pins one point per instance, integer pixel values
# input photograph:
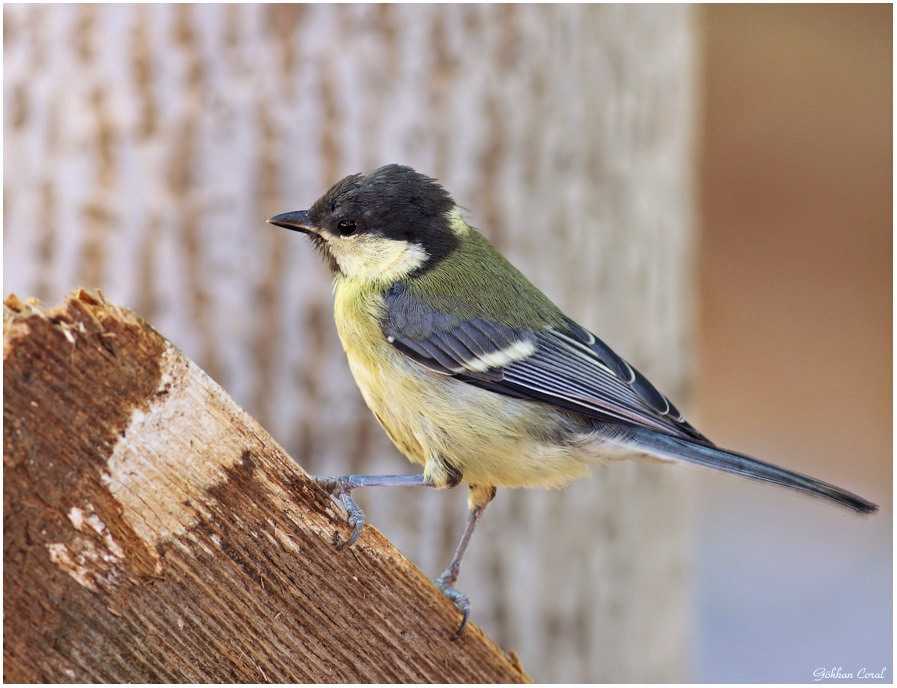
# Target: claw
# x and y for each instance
(355, 519)
(340, 488)
(465, 615)
(459, 599)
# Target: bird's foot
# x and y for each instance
(340, 487)
(460, 600)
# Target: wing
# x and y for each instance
(567, 366)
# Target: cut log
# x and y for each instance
(154, 532)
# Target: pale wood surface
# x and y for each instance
(153, 531)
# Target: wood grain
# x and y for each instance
(153, 531)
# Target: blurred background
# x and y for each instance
(716, 182)
(795, 335)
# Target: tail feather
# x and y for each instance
(677, 449)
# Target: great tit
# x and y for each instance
(472, 371)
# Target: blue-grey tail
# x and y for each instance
(677, 449)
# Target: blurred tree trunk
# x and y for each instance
(147, 144)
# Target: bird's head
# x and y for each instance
(382, 226)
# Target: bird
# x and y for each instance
(473, 372)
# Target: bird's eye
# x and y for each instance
(346, 227)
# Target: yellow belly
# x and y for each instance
(492, 439)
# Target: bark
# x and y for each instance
(154, 532)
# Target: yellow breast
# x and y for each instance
(381, 373)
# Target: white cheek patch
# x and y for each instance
(374, 258)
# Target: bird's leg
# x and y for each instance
(478, 500)
(340, 487)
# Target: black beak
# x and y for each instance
(297, 221)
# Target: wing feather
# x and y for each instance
(567, 367)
